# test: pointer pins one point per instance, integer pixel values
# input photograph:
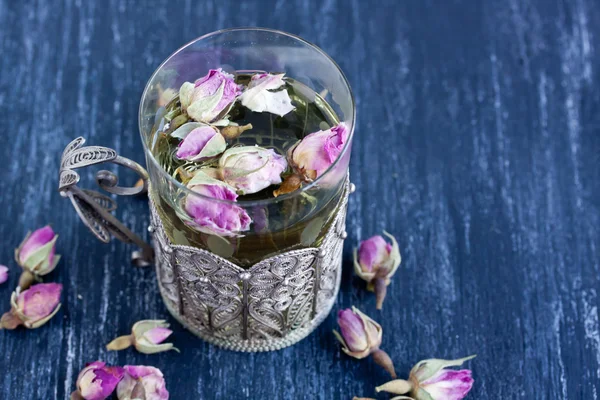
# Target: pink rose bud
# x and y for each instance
(201, 143)
(214, 217)
(141, 382)
(32, 307)
(376, 261)
(97, 381)
(210, 97)
(361, 336)
(36, 255)
(147, 336)
(262, 95)
(314, 154)
(430, 379)
(3, 273)
(250, 169)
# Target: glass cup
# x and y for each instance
(264, 287)
(296, 220)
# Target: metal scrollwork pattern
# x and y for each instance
(165, 268)
(271, 305)
(210, 292)
(94, 208)
(331, 260)
(280, 294)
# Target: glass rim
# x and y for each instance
(248, 203)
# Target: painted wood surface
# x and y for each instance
(477, 146)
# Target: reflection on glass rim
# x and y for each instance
(263, 202)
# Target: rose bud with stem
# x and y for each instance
(376, 261)
(147, 336)
(430, 380)
(312, 156)
(361, 336)
(33, 307)
(36, 255)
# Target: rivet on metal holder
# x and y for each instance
(94, 208)
(244, 276)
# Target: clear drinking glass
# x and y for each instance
(291, 221)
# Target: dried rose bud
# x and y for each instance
(233, 132)
(376, 261)
(430, 380)
(314, 154)
(214, 217)
(200, 143)
(3, 273)
(250, 169)
(262, 95)
(147, 336)
(97, 381)
(36, 255)
(141, 382)
(361, 336)
(32, 307)
(209, 97)
(290, 183)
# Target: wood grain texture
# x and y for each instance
(489, 178)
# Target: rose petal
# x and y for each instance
(260, 97)
(157, 335)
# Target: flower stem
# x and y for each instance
(120, 343)
(233, 132)
(26, 279)
(76, 395)
(380, 291)
(383, 360)
(10, 321)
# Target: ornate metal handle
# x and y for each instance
(94, 208)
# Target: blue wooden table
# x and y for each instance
(477, 146)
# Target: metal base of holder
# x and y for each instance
(274, 304)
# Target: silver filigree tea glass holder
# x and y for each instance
(273, 285)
